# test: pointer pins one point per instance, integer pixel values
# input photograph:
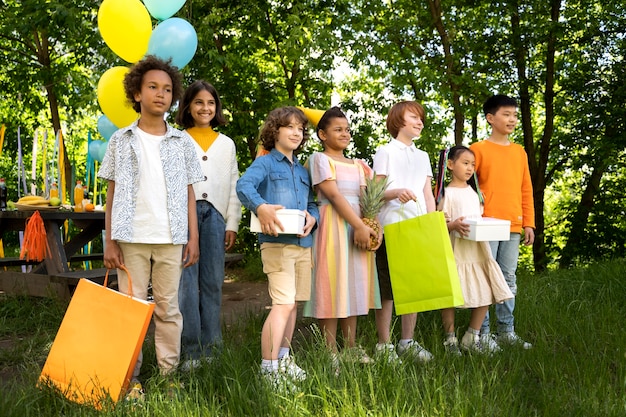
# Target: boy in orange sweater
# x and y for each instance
(504, 179)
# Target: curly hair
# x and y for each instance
(278, 118)
(184, 118)
(134, 77)
(395, 118)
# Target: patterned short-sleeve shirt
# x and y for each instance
(121, 165)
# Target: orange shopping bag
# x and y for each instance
(95, 350)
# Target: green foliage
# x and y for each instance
(562, 60)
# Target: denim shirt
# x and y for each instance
(273, 179)
(121, 165)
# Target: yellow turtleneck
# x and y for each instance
(204, 136)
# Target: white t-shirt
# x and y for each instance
(405, 167)
(151, 194)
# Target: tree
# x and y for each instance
(50, 52)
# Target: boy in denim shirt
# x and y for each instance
(273, 182)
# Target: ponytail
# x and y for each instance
(440, 188)
(442, 166)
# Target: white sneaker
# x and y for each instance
(451, 346)
(387, 353)
(472, 343)
(287, 365)
(511, 338)
(488, 343)
(414, 349)
(279, 381)
(190, 364)
(357, 354)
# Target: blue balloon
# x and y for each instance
(106, 127)
(174, 38)
(102, 151)
(162, 9)
(94, 148)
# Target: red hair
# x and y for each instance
(395, 118)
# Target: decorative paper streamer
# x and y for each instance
(21, 173)
(2, 130)
(33, 174)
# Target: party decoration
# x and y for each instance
(102, 151)
(313, 115)
(163, 9)
(106, 128)
(94, 148)
(125, 26)
(174, 38)
(112, 98)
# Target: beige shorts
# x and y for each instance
(288, 269)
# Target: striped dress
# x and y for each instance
(344, 281)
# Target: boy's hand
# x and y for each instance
(268, 218)
(529, 236)
(113, 257)
(191, 253)
(309, 222)
(405, 195)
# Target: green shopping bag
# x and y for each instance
(421, 264)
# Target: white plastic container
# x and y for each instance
(292, 220)
(488, 229)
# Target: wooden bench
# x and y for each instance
(60, 286)
(15, 261)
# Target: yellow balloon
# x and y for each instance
(313, 115)
(112, 98)
(126, 27)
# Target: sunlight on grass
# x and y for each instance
(574, 318)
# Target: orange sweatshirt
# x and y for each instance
(504, 179)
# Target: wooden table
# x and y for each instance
(55, 266)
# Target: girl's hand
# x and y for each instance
(460, 227)
(113, 257)
(362, 237)
(229, 239)
(380, 237)
(309, 222)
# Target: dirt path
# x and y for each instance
(242, 297)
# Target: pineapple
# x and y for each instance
(371, 202)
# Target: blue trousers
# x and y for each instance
(200, 293)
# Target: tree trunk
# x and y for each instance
(453, 71)
(537, 163)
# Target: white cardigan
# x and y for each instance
(219, 166)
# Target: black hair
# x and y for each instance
(184, 118)
(134, 78)
(442, 166)
(495, 102)
(332, 113)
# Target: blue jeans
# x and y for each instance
(506, 254)
(200, 293)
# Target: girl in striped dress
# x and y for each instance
(345, 284)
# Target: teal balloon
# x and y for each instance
(94, 148)
(174, 39)
(106, 128)
(102, 151)
(163, 9)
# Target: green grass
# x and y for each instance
(574, 318)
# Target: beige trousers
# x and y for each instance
(163, 265)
